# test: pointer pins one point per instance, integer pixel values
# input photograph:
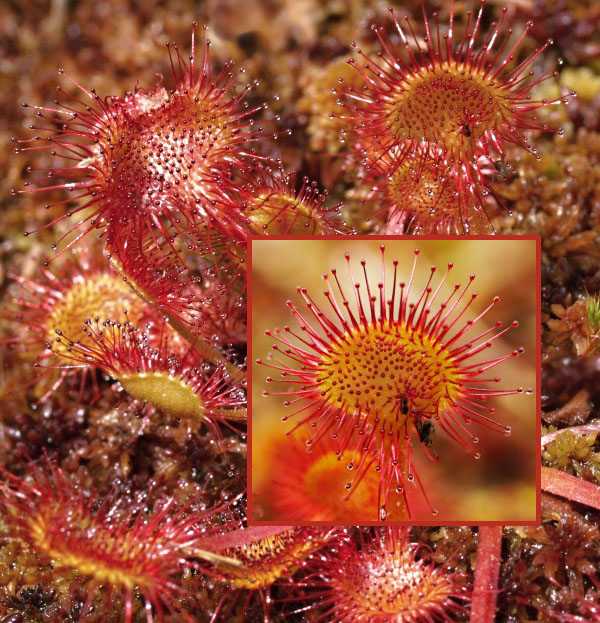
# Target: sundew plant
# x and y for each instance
(143, 146)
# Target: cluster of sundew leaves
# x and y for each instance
(146, 368)
(82, 318)
(158, 170)
(575, 269)
(156, 374)
(432, 121)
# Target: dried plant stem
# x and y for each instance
(209, 352)
(241, 537)
(487, 572)
(213, 557)
(571, 487)
(237, 415)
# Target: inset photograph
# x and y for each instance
(394, 380)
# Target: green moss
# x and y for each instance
(582, 80)
(574, 454)
(550, 167)
(593, 314)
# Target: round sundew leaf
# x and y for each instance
(370, 375)
(384, 579)
(155, 156)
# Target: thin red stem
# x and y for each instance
(487, 572)
(585, 429)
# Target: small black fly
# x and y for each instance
(504, 170)
(426, 431)
(466, 129)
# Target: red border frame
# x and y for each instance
(538, 337)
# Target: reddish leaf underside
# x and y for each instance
(575, 489)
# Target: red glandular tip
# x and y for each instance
(393, 367)
(115, 542)
(157, 156)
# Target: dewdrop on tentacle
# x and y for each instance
(372, 372)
